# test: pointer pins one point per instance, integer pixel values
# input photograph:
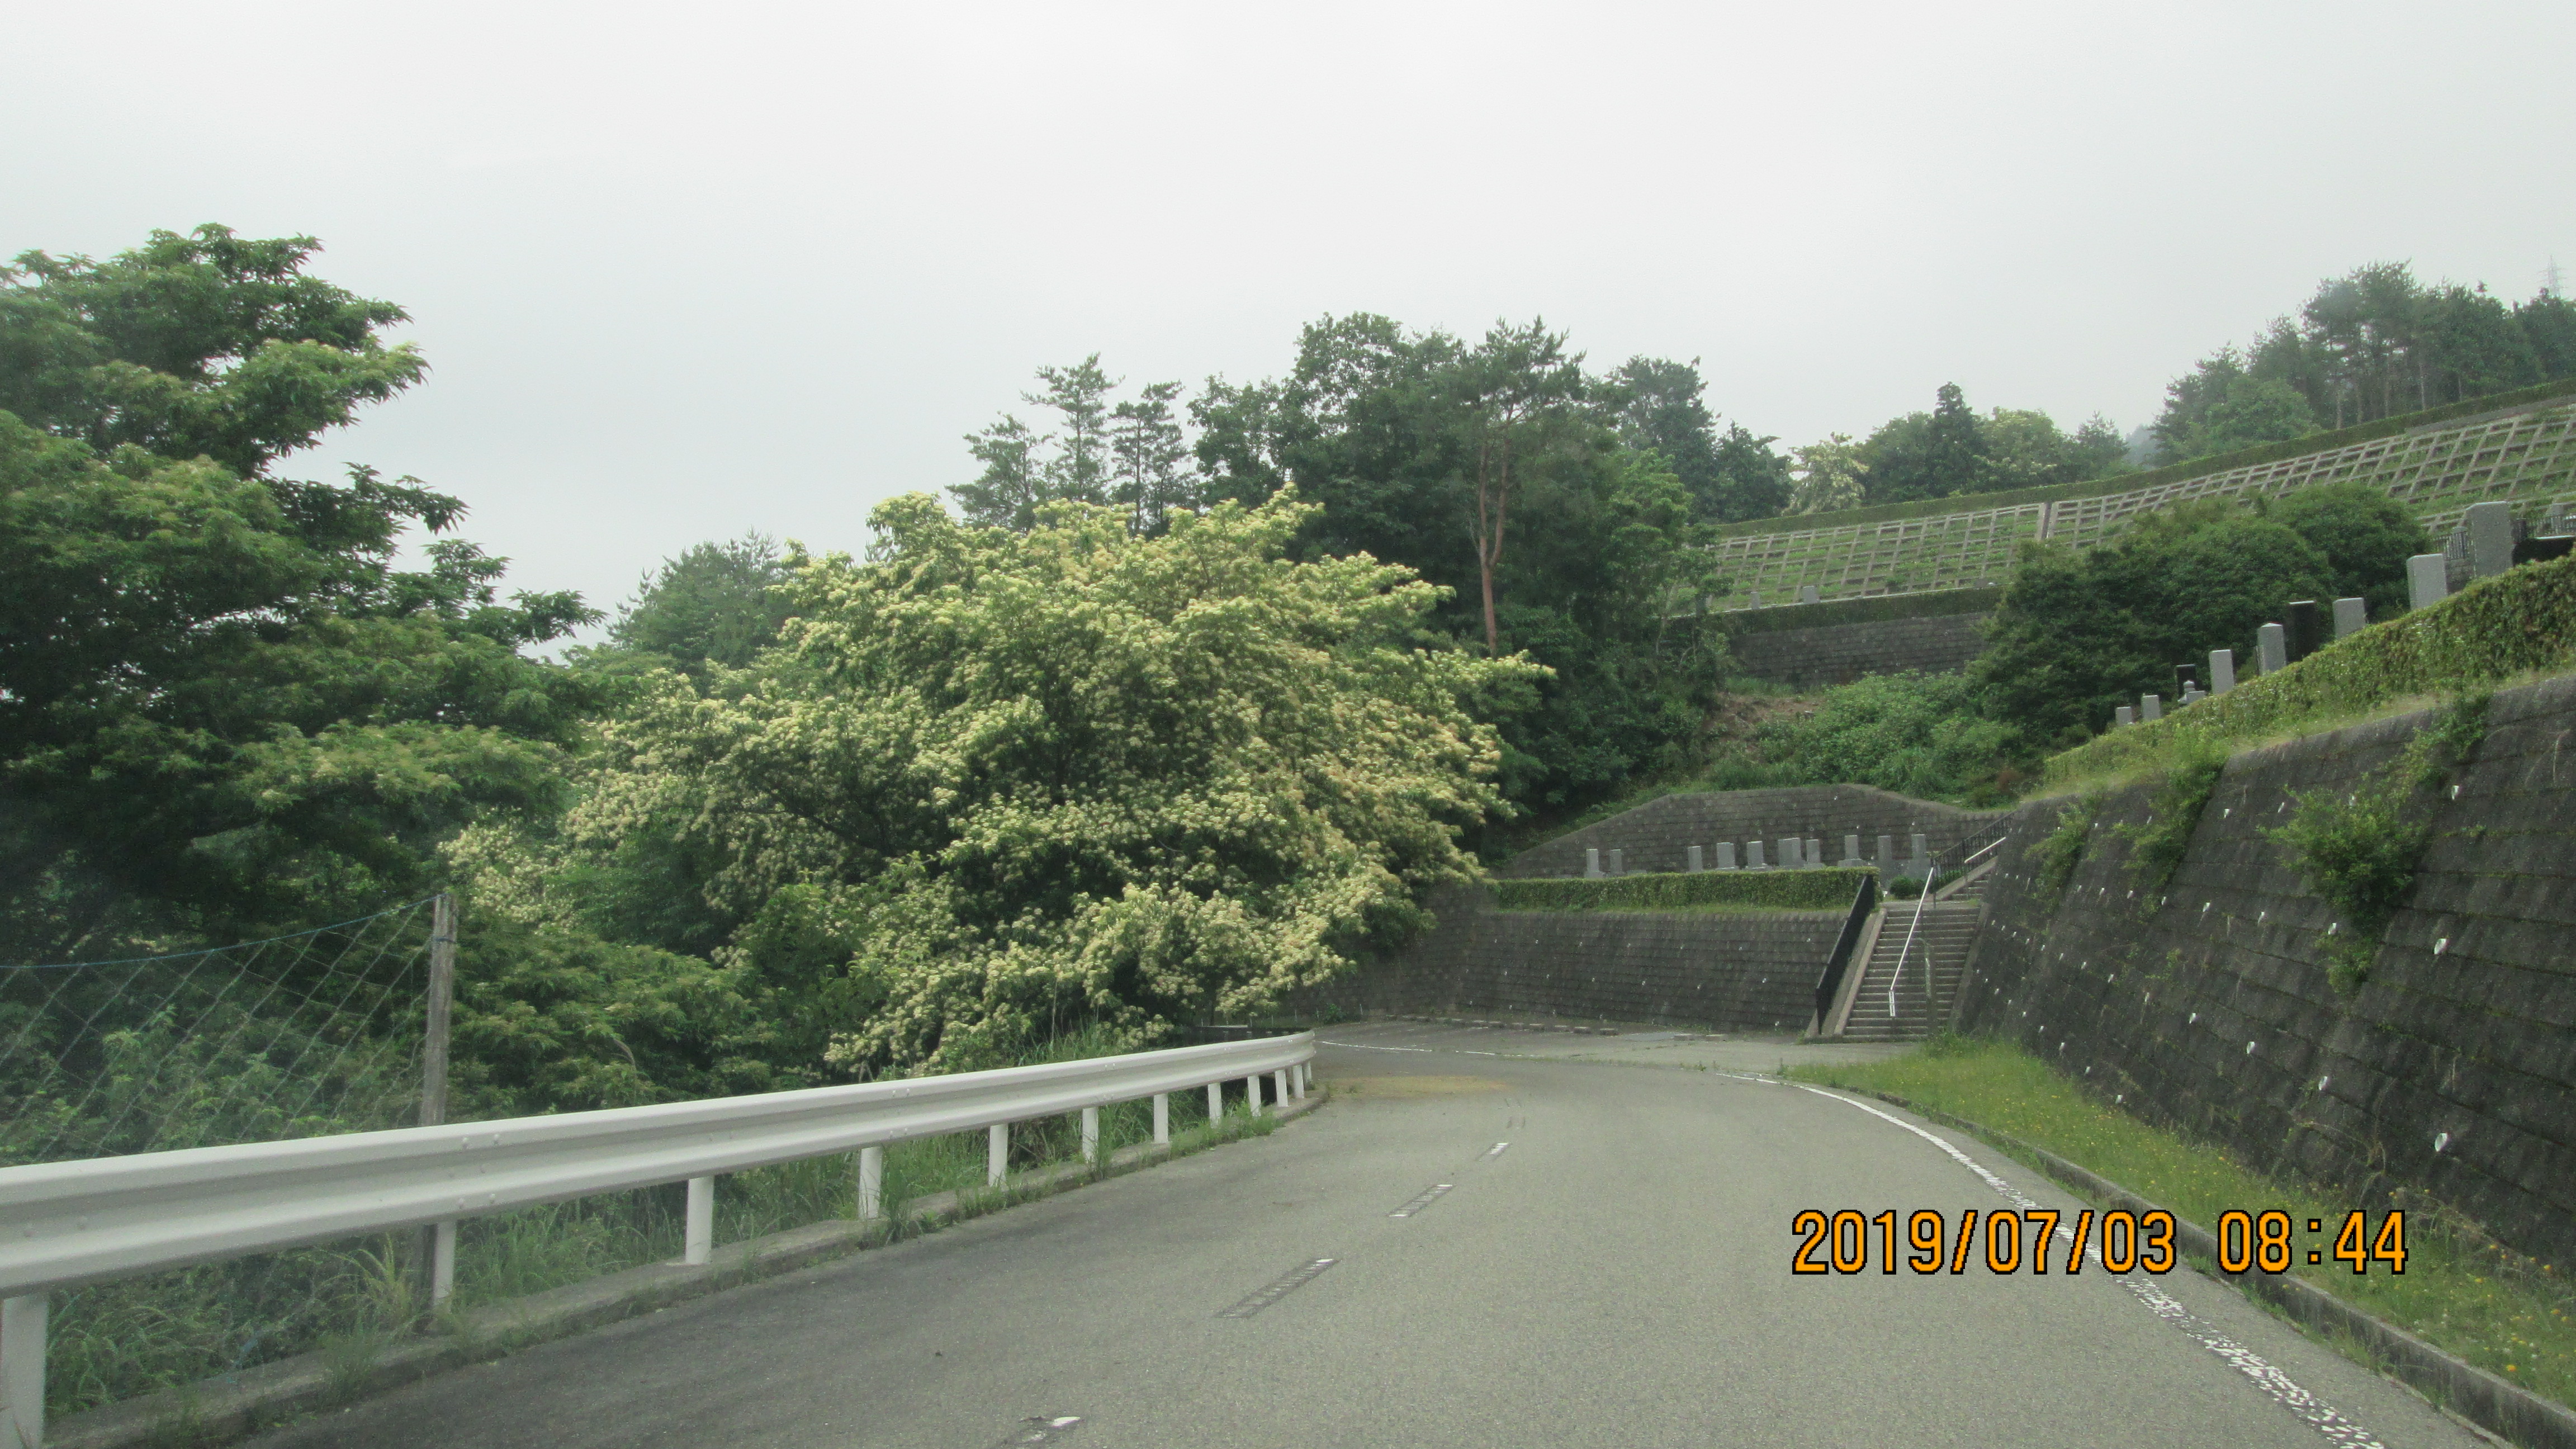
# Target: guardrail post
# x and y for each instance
(871, 1184)
(1162, 1119)
(1298, 1079)
(1252, 1095)
(1091, 1135)
(997, 1153)
(1216, 1102)
(1279, 1086)
(442, 1262)
(701, 1238)
(22, 1368)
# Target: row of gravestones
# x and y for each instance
(2487, 542)
(1793, 854)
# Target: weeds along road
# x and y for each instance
(1619, 1274)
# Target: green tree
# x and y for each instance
(1830, 476)
(1657, 407)
(1754, 481)
(716, 605)
(2471, 347)
(1079, 470)
(223, 709)
(1149, 457)
(1007, 493)
(205, 345)
(1004, 784)
(2548, 323)
(1939, 454)
(2078, 634)
(2219, 407)
(1516, 400)
(2365, 535)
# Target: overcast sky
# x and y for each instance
(686, 271)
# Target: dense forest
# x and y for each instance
(1179, 710)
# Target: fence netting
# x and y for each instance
(296, 1036)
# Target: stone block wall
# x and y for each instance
(1841, 653)
(2450, 1072)
(1722, 972)
(1656, 836)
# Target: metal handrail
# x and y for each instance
(1828, 986)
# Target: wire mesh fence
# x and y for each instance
(296, 1036)
(318, 1032)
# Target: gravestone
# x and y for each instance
(2427, 580)
(1726, 855)
(2186, 679)
(1692, 856)
(1851, 851)
(1618, 862)
(1807, 594)
(1753, 855)
(2351, 616)
(2490, 527)
(2272, 645)
(2222, 670)
(1815, 855)
(1591, 863)
(2306, 624)
(2124, 716)
(1789, 853)
(2151, 707)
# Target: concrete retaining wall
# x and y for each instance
(1656, 835)
(2451, 1071)
(1726, 972)
(1841, 653)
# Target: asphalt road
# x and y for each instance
(1619, 1274)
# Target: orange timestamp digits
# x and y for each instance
(2121, 1241)
(1843, 1242)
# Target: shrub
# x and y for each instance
(2360, 853)
(1916, 734)
(2062, 848)
(2157, 843)
(1780, 890)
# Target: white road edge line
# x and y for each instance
(1364, 1047)
(2315, 1412)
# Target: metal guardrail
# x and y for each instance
(63, 1224)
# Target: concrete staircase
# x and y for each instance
(1933, 965)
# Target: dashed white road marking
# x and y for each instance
(1423, 1199)
(1495, 1151)
(1277, 1288)
(2315, 1412)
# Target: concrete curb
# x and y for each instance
(2494, 1404)
(228, 1409)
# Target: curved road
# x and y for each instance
(1617, 1275)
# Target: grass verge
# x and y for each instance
(2490, 1307)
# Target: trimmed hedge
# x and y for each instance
(2520, 621)
(1778, 890)
(1875, 609)
(2171, 473)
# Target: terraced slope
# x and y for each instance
(2523, 452)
